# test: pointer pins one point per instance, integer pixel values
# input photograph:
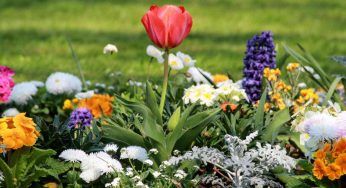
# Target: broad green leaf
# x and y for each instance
(295, 138)
(190, 135)
(290, 181)
(331, 90)
(150, 128)
(151, 102)
(123, 136)
(279, 119)
(173, 121)
(177, 132)
(259, 116)
(196, 119)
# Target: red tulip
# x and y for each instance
(167, 26)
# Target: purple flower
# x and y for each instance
(260, 54)
(80, 117)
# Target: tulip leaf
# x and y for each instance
(173, 121)
(192, 132)
(279, 119)
(123, 136)
(331, 90)
(151, 102)
(259, 116)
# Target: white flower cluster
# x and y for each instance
(63, 83)
(199, 76)
(176, 62)
(94, 165)
(23, 92)
(319, 126)
(244, 167)
(205, 94)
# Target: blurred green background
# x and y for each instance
(33, 34)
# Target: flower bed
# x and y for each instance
(282, 125)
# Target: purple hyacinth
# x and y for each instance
(80, 117)
(260, 53)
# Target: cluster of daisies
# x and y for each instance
(207, 95)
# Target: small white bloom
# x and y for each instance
(111, 148)
(148, 162)
(129, 172)
(23, 92)
(110, 48)
(317, 76)
(114, 184)
(174, 62)
(204, 94)
(63, 83)
(153, 151)
(303, 138)
(152, 51)
(136, 178)
(134, 152)
(140, 184)
(73, 155)
(180, 174)
(187, 60)
(308, 68)
(11, 112)
(85, 95)
(198, 75)
(176, 152)
(135, 83)
(156, 174)
(302, 85)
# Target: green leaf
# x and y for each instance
(9, 178)
(173, 121)
(196, 119)
(150, 128)
(198, 126)
(177, 132)
(272, 130)
(331, 90)
(123, 136)
(295, 138)
(290, 181)
(151, 102)
(259, 116)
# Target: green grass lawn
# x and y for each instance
(33, 34)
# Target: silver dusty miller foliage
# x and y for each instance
(241, 166)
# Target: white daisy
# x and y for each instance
(110, 49)
(11, 112)
(134, 152)
(198, 76)
(153, 151)
(63, 83)
(156, 174)
(187, 60)
(85, 95)
(23, 92)
(302, 85)
(174, 62)
(111, 148)
(152, 51)
(73, 155)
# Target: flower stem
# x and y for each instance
(165, 82)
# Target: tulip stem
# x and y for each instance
(165, 82)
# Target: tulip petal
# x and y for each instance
(179, 28)
(155, 28)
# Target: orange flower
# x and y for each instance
(271, 74)
(339, 147)
(67, 105)
(18, 131)
(319, 169)
(333, 171)
(217, 78)
(98, 105)
(227, 105)
(292, 66)
(341, 161)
